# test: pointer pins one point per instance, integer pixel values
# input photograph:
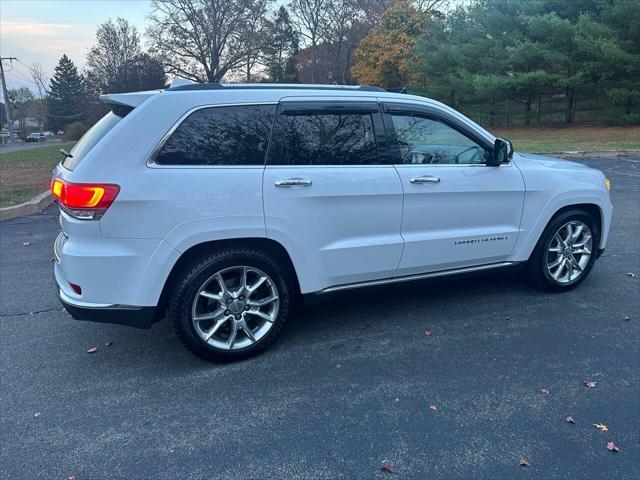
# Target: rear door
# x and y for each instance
(330, 195)
(458, 211)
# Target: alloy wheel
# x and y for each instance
(569, 252)
(235, 307)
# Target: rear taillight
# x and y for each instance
(86, 201)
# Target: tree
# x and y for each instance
(39, 79)
(341, 37)
(310, 17)
(385, 56)
(281, 49)
(116, 63)
(66, 102)
(203, 40)
(20, 100)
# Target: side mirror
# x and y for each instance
(502, 152)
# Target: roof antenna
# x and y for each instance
(178, 82)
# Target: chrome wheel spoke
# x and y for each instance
(221, 284)
(262, 302)
(232, 335)
(213, 296)
(215, 328)
(256, 285)
(582, 242)
(245, 328)
(557, 262)
(261, 314)
(582, 251)
(556, 274)
(577, 232)
(209, 316)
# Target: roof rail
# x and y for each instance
(274, 86)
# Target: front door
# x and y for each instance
(458, 212)
(329, 197)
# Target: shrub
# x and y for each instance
(74, 131)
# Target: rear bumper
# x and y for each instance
(138, 317)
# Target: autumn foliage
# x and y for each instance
(385, 56)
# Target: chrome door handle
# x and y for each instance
(425, 179)
(293, 182)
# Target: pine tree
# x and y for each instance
(282, 48)
(67, 97)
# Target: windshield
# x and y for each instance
(90, 139)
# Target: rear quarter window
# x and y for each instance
(235, 135)
(90, 139)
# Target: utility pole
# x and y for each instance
(7, 108)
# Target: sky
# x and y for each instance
(42, 30)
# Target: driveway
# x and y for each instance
(348, 386)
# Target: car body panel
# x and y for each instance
(470, 217)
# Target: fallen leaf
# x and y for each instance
(387, 467)
(26, 244)
(601, 426)
(37, 414)
(427, 333)
(569, 419)
(396, 400)
(71, 477)
(280, 417)
(590, 383)
(524, 462)
(433, 408)
(544, 391)
(108, 344)
(632, 274)
(92, 350)
(627, 317)
(612, 447)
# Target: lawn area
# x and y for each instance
(25, 174)
(561, 139)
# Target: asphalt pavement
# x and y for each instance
(348, 386)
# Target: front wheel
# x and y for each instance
(230, 305)
(566, 251)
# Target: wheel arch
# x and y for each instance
(269, 246)
(592, 208)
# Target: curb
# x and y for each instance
(594, 153)
(35, 205)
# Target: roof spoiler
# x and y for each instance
(122, 103)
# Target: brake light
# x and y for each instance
(86, 201)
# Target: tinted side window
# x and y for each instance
(326, 139)
(423, 140)
(236, 135)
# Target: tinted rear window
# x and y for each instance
(90, 139)
(237, 135)
(325, 139)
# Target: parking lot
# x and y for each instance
(347, 387)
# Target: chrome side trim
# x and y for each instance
(408, 278)
(100, 306)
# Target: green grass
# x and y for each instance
(27, 173)
(562, 139)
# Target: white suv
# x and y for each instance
(218, 205)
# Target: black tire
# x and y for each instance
(197, 272)
(536, 270)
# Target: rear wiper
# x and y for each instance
(65, 153)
